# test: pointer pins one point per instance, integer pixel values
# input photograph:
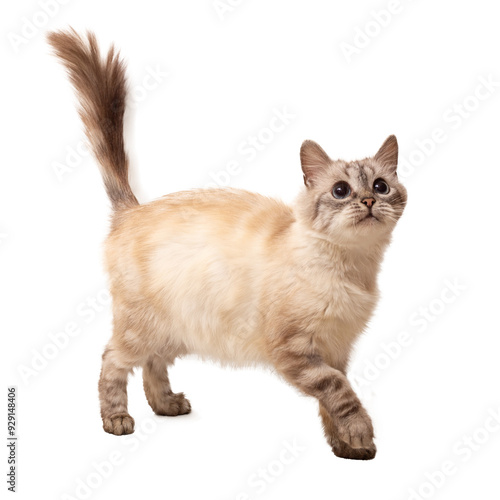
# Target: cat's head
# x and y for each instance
(352, 202)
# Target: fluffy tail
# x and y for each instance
(101, 89)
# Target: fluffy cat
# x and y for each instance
(235, 276)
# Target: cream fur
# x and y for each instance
(213, 272)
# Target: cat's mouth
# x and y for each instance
(369, 219)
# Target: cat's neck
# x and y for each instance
(358, 260)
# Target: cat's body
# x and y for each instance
(234, 276)
(218, 291)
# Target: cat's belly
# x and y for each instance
(236, 328)
(210, 306)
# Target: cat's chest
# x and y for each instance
(343, 300)
(343, 311)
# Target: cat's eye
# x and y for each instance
(341, 190)
(381, 187)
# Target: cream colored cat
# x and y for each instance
(234, 276)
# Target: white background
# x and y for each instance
(225, 78)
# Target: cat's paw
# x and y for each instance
(356, 431)
(173, 405)
(118, 424)
(343, 450)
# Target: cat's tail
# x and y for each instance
(100, 85)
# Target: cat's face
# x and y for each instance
(352, 202)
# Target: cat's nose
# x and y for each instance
(368, 202)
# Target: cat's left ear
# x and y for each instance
(388, 153)
(314, 162)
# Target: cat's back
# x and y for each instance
(229, 212)
(221, 227)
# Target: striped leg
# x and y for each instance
(113, 394)
(308, 372)
(158, 391)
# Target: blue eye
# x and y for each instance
(381, 187)
(341, 190)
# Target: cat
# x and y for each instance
(234, 276)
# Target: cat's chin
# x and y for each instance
(368, 230)
(370, 223)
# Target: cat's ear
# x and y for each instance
(388, 153)
(314, 162)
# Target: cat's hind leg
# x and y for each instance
(159, 394)
(113, 392)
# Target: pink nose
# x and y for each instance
(368, 202)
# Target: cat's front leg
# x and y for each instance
(306, 370)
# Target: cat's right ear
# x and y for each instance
(314, 162)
